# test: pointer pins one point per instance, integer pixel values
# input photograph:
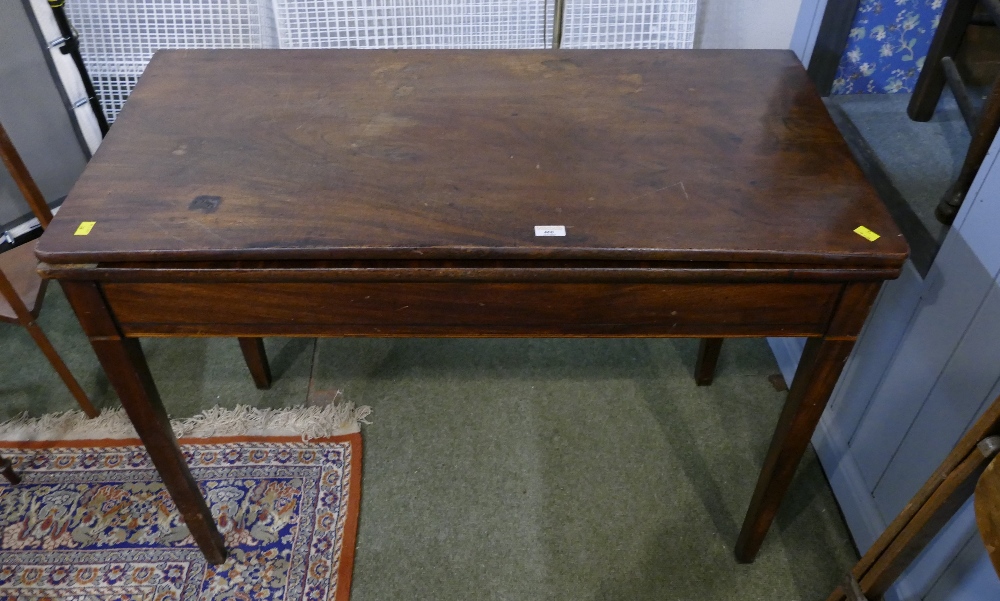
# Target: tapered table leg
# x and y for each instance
(708, 356)
(8, 471)
(126, 368)
(256, 358)
(820, 367)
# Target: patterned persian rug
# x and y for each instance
(91, 520)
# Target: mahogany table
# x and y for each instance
(473, 193)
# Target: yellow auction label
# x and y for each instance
(84, 228)
(866, 233)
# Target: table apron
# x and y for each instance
(471, 308)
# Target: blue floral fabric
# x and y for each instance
(887, 46)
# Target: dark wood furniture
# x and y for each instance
(21, 287)
(987, 506)
(22, 290)
(7, 469)
(939, 69)
(708, 356)
(970, 469)
(398, 193)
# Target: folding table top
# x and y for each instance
(443, 154)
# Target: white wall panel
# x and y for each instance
(746, 23)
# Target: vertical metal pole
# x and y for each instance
(71, 46)
(557, 24)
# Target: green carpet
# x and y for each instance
(518, 469)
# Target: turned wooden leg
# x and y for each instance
(954, 21)
(8, 471)
(256, 358)
(126, 368)
(708, 356)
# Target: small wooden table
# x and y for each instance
(473, 193)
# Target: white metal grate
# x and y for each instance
(414, 23)
(113, 91)
(118, 37)
(629, 23)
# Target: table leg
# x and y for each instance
(820, 367)
(708, 356)
(126, 368)
(256, 358)
(8, 471)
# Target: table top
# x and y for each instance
(687, 155)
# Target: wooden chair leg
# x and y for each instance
(949, 497)
(954, 21)
(982, 138)
(256, 358)
(8, 471)
(67, 377)
(987, 507)
(27, 321)
(944, 493)
(708, 356)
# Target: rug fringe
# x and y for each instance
(308, 422)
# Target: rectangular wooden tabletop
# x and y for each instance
(377, 154)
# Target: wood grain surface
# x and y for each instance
(471, 309)
(340, 154)
(396, 193)
(987, 504)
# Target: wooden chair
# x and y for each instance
(969, 469)
(21, 288)
(940, 69)
(987, 506)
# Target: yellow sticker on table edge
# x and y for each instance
(84, 228)
(866, 233)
